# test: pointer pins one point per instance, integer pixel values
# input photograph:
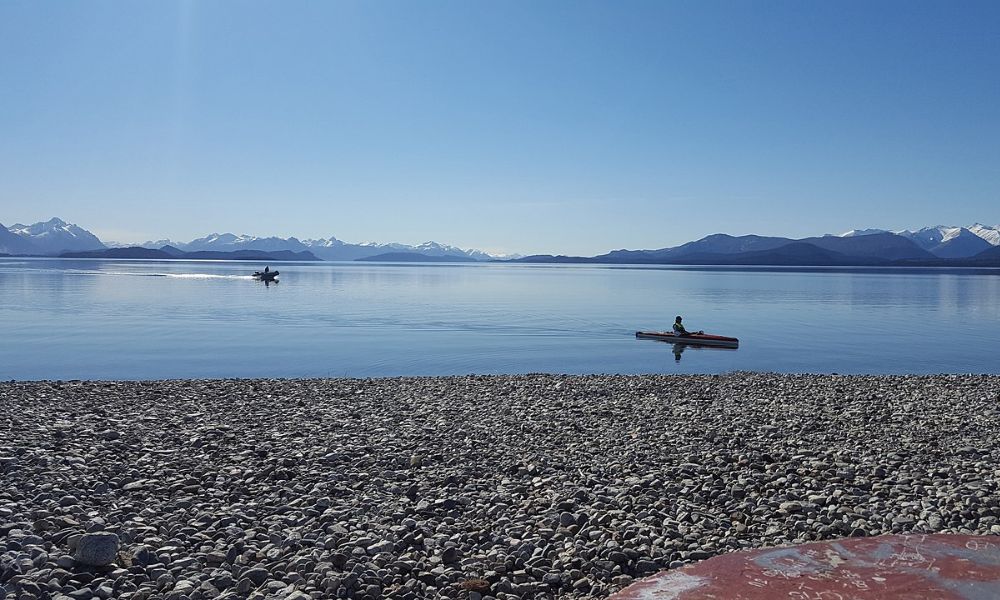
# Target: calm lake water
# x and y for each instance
(118, 319)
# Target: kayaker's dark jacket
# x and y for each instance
(679, 329)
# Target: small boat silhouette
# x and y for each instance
(265, 275)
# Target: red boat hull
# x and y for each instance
(699, 339)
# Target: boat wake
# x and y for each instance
(170, 275)
(206, 276)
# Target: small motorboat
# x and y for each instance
(698, 339)
(265, 275)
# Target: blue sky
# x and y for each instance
(570, 127)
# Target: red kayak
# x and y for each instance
(699, 339)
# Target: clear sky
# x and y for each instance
(555, 126)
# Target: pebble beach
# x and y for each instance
(481, 487)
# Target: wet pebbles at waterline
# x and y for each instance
(502, 487)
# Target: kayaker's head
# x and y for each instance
(678, 319)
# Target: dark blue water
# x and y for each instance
(85, 319)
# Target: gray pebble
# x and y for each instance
(475, 486)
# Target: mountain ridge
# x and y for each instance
(14, 244)
(945, 241)
(325, 248)
(168, 252)
(414, 257)
(879, 248)
(935, 245)
(56, 236)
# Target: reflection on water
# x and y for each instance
(152, 319)
(680, 348)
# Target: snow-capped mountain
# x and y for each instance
(11, 243)
(990, 234)
(228, 242)
(334, 249)
(56, 236)
(945, 241)
(860, 232)
(436, 249)
(948, 242)
(157, 244)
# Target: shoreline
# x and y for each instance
(527, 486)
(554, 375)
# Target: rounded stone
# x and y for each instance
(97, 549)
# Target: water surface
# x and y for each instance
(122, 319)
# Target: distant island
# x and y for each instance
(413, 257)
(168, 252)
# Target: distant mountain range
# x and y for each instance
(326, 249)
(414, 257)
(976, 245)
(56, 237)
(171, 252)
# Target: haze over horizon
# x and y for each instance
(567, 127)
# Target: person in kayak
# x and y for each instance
(681, 331)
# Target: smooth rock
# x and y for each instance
(97, 549)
